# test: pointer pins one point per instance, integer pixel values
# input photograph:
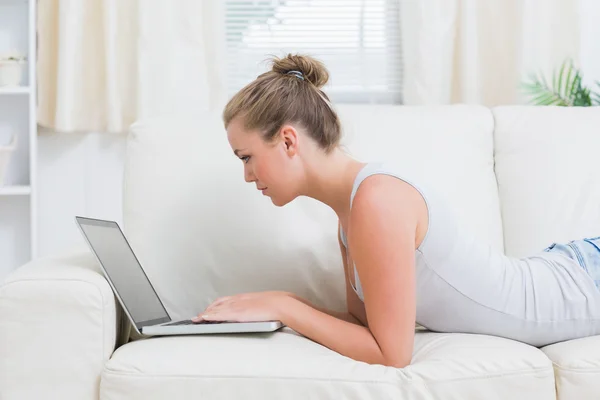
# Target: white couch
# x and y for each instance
(522, 177)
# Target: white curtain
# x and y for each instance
(479, 51)
(102, 64)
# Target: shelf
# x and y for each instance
(14, 89)
(15, 190)
(18, 115)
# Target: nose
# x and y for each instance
(248, 174)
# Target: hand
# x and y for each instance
(246, 307)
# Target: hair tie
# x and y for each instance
(298, 74)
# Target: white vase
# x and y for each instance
(5, 153)
(11, 73)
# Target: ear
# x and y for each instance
(289, 139)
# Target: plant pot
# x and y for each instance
(11, 73)
(5, 153)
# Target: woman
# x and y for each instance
(405, 255)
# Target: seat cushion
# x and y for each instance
(547, 162)
(577, 368)
(287, 365)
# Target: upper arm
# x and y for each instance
(353, 302)
(382, 235)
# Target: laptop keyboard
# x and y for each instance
(190, 322)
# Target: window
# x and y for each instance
(358, 40)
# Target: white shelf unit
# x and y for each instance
(18, 202)
(15, 190)
(14, 90)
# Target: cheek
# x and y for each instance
(260, 169)
(264, 173)
(269, 170)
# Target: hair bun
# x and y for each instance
(312, 69)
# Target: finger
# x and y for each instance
(225, 312)
(216, 317)
(206, 315)
(197, 318)
(213, 311)
(210, 309)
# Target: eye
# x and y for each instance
(245, 159)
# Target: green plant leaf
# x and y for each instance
(596, 95)
(566, 90)
(542, 99)
(540, 92)
(568, 81)
(575, 86)
(533, 89)
(549, 101)
(560, 77)
(548, 98)
(582, 98)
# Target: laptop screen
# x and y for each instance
(124, 271)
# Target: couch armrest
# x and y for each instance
(59, 323)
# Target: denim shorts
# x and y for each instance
(585, 251)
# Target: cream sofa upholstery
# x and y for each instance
(521, 177)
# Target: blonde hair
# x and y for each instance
(278, 97)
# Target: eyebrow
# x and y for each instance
(236, 151)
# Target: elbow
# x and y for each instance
(397, 361)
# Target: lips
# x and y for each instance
(262, 188)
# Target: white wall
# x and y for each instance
(79, 174)
(590, 45)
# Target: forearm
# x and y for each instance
(345, 316)
(349, 339)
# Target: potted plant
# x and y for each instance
(565, 89)
(11, 69)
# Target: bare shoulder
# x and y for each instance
(389, 193)
(386, 197)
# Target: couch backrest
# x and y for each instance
(548, 171)
(201, 232)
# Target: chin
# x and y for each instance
(280, 202)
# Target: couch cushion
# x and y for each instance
(577, 368)
(286, 365)
(547, 162)
(201, 232)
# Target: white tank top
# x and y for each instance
(464, 285)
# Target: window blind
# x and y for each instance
(358, 40)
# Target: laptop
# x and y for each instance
(136, 294)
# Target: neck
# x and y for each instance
(329, 179)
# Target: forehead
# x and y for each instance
(239, 137)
